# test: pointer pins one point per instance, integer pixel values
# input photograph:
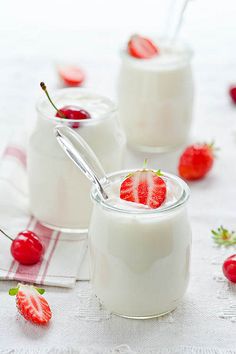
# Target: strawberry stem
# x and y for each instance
(44, 88)
(145, 164)
(4, 233)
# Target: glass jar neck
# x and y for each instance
(98, 107)
(182, 197)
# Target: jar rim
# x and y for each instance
(185, 193)
(69, 90)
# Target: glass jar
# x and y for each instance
(139, 256)
(155, 98)
(59, 192)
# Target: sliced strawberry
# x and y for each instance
(141, 47)
(144, 187)
(71, 75)
(31, 304)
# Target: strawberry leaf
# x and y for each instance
(223, 237)
(159, 173)
(13, 291)
(40, 290)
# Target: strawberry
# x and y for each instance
(31, 304)
(141, 47)
(71, 75)
(196, 161)
(144, 187)
(232, 93)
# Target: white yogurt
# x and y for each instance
(59, 192)
(140, 256)
(156, 98)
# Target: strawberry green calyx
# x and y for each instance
(159, 173)
(223, 237)
(14, 291)
(40, 291)
(212, 147)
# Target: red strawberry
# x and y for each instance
(141, 47)
(31, 304)
(144, 187)
(196, 161)
(232, 93)
(71, 75)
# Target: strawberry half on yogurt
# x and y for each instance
(142, 47)
(144, 187)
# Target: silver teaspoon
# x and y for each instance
(82, 156)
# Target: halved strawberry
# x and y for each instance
(71, 75)
(144, 187)
(141, 47)
(31, 304)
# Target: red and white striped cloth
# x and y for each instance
(65, 259)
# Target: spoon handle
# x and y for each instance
(82, 155)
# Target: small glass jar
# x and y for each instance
(59, 192)
(140, 257)
(155, 98)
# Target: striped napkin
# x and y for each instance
(65, 259)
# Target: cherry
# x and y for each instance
(71, 75)
(73, 112)
(26, 248)
(229, 268)
(232, 93)
(68, 112)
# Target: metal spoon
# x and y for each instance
(82, 155)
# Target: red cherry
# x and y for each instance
(232, 93)
(73, 112)
(27, 248)
(71, 75)
(229, 268)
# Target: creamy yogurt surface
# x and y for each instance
(173, 194)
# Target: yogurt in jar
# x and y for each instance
(59, 192)
(140, 256)
(155, 98)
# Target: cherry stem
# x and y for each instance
(4, 233)
(44, 88)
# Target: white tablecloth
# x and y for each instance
(205, 323)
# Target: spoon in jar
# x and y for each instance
(82, 156)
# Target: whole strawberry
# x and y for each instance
(196, 161)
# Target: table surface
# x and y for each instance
(205, 321)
